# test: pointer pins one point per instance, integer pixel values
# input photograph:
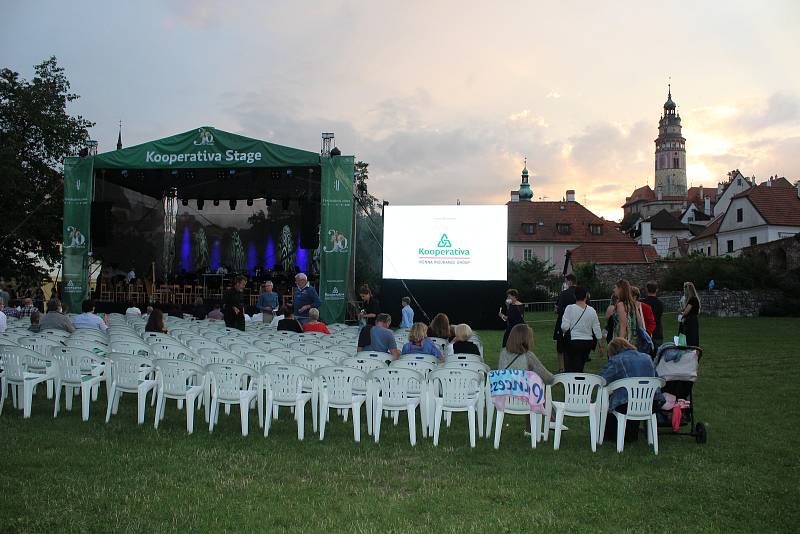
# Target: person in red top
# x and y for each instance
(314, 324)
(647, 312)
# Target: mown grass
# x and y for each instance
(62, 475)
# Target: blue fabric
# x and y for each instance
(408, 317)
(303, 297)
(628, 364)
(381, 339)
(427, 347)
(268, 300)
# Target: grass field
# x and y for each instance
(64, 475)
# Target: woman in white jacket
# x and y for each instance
(581, 321)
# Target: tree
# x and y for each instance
(533, 278)
(369, 231)
(36, 134)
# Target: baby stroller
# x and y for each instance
(678, 365)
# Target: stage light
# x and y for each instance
(249, 201)
(216, 202)
(232, 204)
(200, 203)
(185, 201)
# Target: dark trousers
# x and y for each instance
(631, 427)
(576, 355)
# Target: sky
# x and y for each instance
(444, 99)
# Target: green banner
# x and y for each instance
(336, 235)
(78, 184)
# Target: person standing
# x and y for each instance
(689, 315)
(305, 298)
(267, 302)
(407, 313)
(657, 306)
(625, 313)
(515, 313)
(370, 306)
(565, 298)
(233, 309)
(581, 321)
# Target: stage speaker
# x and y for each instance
(102, 223)
(309, 225)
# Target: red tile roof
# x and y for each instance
(778, 204)
(549, 214)
(613, 253)
(693, 195)
(642, 193)
(709, 230)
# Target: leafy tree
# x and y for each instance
(361, 173)
(534, 279)
(369, 232)
(36, 134)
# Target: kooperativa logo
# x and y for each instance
(444, 249)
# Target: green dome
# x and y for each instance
(525, 192)
(669, 104)
(525, 171)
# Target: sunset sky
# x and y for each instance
(443, 99)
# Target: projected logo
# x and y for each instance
(443, 254)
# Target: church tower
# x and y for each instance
(670, 152)
(525, 191)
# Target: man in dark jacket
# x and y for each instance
(566, 298)
(658, 310)
(233, 307)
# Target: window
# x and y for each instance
(676, 163)
(730, 245)
(527, 254)
(753, 241)
(595, 229)
(709, 251)
(563, 228)
(739, 215)
(529, 228)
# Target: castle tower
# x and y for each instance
(670, 152)
(525, 191)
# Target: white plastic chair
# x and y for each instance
(582, 392)
(230, 384)
(485, 399)
(312, 363)
(200, 343)
(287, 354)
(336, 355)
(423, 367)
(518, 406)
(287, 385)
(77, 368)
(129, 374)
(336, 387)
(218, 356)
(389, 389)
(155, 338)
(641, 393)
(433, 360)
(16, 363)
(172, 351)
(137, 348)
(455, 390)
(96, 346)
(268, 345)
(307, 346)
(182, 380)
(440, 343)
(367, 365)
(384, 357)
(463, 358)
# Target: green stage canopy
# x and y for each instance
(209, 148)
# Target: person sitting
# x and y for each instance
(461, 343)
(440, 327)
(155, 323)
(407, 312)
(216, 314)
(314, 324)
(288, 322)
(36, 317)
(624, 361)
(364, 337)
(132, 310)
(27, 308)
(381, 338)
(419, 343)
(88, 319)
(147, 312)
(55, 319)
(518, 353)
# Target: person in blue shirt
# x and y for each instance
(381, 338)
(305, 298)
(408, 313)
(624, 361)
(267, 302)
(419, 343)
(88, 319)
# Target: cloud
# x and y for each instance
(553, 94)
(779, 109)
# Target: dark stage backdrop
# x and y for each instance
(473, 302)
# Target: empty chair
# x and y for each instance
(427, 358)
(385, 357)
(98, 347)
(54, 333)
(641, 393)
(268, 345)
(287, 354)
(218, 356)
(306, 347)
(390, 389)
(138, 348)
(240, 349)
(440, 344)
(335, 355)
(312, 363)
(287, 385)
(129, 374)
(485, 400)
(230, 384)
(582, 392)
(341, 388)
(463, 358)
(181, 380)
(158, 337)
(77, 368)
(17, 363)
(172, 351)
(367, 365)
(200, 343)
(39, 344)
(426, 408)
(259, 360)
(455, 390)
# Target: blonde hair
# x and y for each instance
(463, 332)
(418, 332)
(619, 344)
(313, 314)
(520, 339)
(689, 291)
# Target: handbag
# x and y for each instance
(567, 336)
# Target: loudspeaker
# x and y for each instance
(102, 223)
(309, 225)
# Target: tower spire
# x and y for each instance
(119, 137)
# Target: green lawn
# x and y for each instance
(64, 475)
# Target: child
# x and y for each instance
(408, 313)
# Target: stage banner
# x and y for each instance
(78, 183)
(336, 237)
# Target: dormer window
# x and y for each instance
(595, 229)
(563, 228)
(528, 228)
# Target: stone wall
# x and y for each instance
(780, 255)
(636, 273)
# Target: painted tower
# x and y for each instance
(670, 152)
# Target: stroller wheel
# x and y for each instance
(701, 432)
